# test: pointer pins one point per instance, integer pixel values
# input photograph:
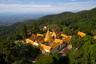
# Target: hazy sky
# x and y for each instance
(45, 6)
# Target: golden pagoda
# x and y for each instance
(53, 34)
(47, 36)
(81, 34)
(56, 43)
(39, 35)
(45, 48)
(66, 38)
(31, 42)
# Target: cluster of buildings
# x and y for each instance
(51, 41)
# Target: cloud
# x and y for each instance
(24, 8)
(40, 1)
(46, 8)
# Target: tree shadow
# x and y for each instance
(2, 59)
(62, 60)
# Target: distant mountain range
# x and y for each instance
(11, 18)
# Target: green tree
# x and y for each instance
(44, 59)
